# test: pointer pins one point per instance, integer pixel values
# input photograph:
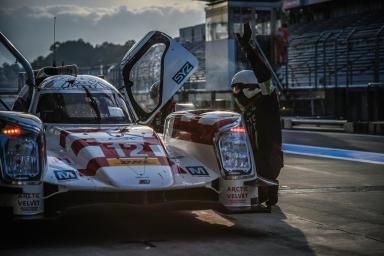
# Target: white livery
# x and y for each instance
(81, 141)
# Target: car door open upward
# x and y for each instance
(153, 70)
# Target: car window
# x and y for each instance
(83, 108)
(145, 76)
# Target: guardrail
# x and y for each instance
(318, 124)
(376, 127)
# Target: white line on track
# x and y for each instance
(306, 169)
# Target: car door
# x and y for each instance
(153, 70)
(16, 76)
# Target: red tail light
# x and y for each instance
(12, 131)
(238, 129)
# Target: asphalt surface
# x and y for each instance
(326, 207)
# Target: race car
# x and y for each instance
(73, 140)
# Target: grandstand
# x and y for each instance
(335, 60)
(338, 52)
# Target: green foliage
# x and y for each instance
(83, 54)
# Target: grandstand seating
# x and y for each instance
(337, 52)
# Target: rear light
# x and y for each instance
(234, 152)
(12, 131)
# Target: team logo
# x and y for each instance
(65, 174)
(183, 72)
(197, 171)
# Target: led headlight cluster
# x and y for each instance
(21, 159)
(22, 147)
(234, 152)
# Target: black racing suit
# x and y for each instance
(262, 118)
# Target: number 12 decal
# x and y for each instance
(134, 153)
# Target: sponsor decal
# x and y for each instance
(65, 174)
(197, 170)
(133, 161)
(134, 149)
(99, 162)
(29, 202)
(233, 193)
(183, 72)
(237, 193)
(144, 181)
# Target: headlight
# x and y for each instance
(234, 152)
(22, 147)
(21, 159)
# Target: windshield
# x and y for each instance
(82, 108)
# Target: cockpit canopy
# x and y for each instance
(80, 99)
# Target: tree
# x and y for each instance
(84, 54)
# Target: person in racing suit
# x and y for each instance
(258, 100)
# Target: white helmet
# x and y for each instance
(248, 77)
(244, 77)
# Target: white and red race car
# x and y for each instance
(81, 141)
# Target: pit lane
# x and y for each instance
(326, 207)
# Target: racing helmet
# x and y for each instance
(244, 77)
(247, 80)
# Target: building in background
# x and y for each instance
(334, 66)
(219, 56)
(225, 18)
(335, 62)
(193, 39)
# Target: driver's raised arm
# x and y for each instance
(255, 58)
